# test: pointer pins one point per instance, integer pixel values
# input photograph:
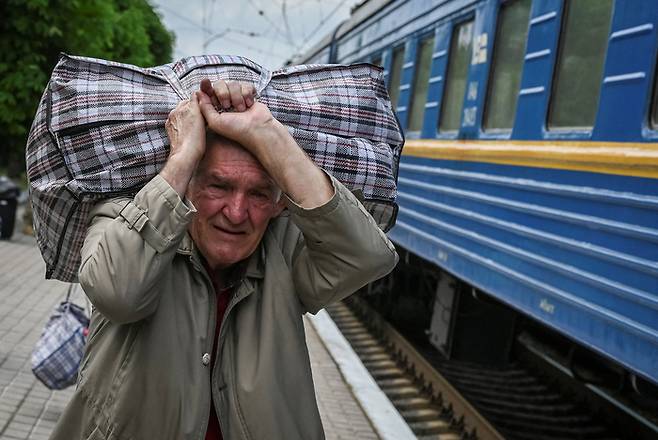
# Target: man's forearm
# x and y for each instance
(268, 140)
(129, 243)
(178, 172)
(186, 131)
(343, 249)
(290, 167)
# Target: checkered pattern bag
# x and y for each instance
(58, 352)
(99, 132)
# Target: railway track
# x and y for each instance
(447, 400)
(433, 409)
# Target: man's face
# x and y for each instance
(235, 200)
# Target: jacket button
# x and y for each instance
(205, 359)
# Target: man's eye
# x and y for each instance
(260, 195)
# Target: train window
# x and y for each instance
(421, 83)
(376, 60)
(579, 71)
(453, 96)
(509, 54)
(394, 76)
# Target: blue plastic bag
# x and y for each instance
(58, 352)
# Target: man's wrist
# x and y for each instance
(267, 138)
(178, 172)
(298, 176)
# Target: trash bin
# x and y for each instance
(8, 199)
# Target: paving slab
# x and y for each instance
(26, 301)
(341, 414)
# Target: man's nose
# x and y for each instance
(236, 209)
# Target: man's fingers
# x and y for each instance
(226, 94)
(204, 100)
(210, 114)
(207, 89)
(195, 101)
(180, 105)
(179, 108)
(248, 93)
(222, 93)
(235, 88)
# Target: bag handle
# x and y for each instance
(68, 293)
(167, 72)
(87, 306)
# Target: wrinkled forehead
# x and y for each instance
(224, 158)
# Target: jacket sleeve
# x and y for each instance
(129, 243)
(342, 250)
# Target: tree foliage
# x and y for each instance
(34, 32)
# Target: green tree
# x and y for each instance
(34, 32)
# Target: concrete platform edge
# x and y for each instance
(385, 419)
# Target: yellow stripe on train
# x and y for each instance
(629, 159)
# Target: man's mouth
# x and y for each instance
(228, 231)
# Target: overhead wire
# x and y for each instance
(273, 32)
(255, 49)
(287, 24)
(262, 13)
(204, 20)
(211, 13)
(180, 16)
(271, 43)
(266, 34)
(205, 28)
(319, 26)
(325, 19)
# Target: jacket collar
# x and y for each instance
(255, 264)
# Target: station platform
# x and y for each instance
(350, 403)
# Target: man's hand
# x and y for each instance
(186, 129)
(229, 94)
(250, 124)
(253, 126)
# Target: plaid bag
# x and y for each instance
(58, 352)
(99, 132)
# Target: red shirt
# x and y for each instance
(214, 431)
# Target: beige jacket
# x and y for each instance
(144, 374)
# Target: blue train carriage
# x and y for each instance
(530, 167)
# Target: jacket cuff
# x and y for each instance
(158, 214)
(334, 214)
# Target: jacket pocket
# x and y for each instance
(125, 365)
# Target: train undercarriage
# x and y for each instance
(528, 380)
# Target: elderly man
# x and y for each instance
(200, 282)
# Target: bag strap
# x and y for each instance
(68, 293)
(87, 304)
